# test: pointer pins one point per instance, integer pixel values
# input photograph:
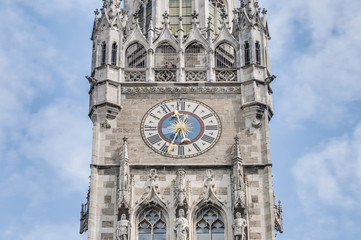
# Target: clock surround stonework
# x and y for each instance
(139, 62)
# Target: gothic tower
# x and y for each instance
(180, 99)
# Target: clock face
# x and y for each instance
(181, 128)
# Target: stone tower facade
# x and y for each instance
(180, 99)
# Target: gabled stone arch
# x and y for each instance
(203, 211)
(165, 56)
(135, 56)
(225, 55)
(151, 218)
(195, 55)
(151, 203)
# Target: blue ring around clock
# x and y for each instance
(166, 132)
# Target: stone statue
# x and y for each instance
(122, 228)
(239, 227)
(180, 188)
(181, 226)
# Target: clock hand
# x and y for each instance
(172, 145)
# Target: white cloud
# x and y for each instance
(315, 50)
(331, 174)
(35, 124)
(60, 135)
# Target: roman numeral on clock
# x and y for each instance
(154, 116)
(212, 127)
(164, 148)
(154, 139)
(181, 106)
(181, 150)
(195, 109)
(207, 138)
(207, 116)
(165, 108)
(150, 128)
(197, 147)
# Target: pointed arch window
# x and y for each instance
(258, 53)
(165, 56)
(225, 56)
(136, 56)
(210, 224)
(247, 56)
(145, 15)
(152, 225)
(179, 8)
(216, 9)
(195, 56)
(103, 56)
(114, 53)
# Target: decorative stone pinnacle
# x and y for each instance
(236, 150)
(264, 11)
(195, 15)
(124, 155)
(96, 12)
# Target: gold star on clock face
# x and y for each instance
(181, 128)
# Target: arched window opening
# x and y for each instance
(145, 16)
(179, 8)
(195, 56)
(114, 53)
(210, 224)
(136, 56)
(247, 56)
(152, 225)
(216, 9)
(258, 53)
(225, 56)
(103, 54)
(165, 56)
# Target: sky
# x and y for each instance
(45, 133)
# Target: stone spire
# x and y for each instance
(124, 154)
(236, 150)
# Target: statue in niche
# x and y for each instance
(180, 188)
(181, 226)
(122, 228)
(239, 227)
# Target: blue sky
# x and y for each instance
(45, 134)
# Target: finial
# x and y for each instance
(96, 12)
(180, 26)
(235, 11)
(195, 15)
(165, 15)
(243, 5)
(264, 11)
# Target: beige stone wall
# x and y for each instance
(227, 106)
